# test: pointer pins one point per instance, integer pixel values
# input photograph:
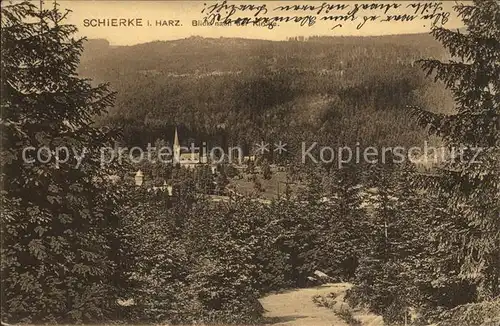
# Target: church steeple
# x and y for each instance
(176, 139)
(177, 148)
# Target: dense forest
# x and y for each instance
(337, 90)
(417, 248)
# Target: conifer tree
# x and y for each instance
(396, 229)
(222, 181)
(266, 170)
(313, 190)
(343, 237)
(375, 281)
(469, 180)
(60, 243)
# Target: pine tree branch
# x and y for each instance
(467, 47)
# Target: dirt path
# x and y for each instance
(295, 307)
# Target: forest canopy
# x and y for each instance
(350, 88)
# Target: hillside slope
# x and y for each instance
(239, 90)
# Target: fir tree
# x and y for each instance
(375, 283)
(313, 190)
(397, 235)
(222, 181)
(344, 227)
(60, 243)
(266, 170)
(470, 183)
(205, 179)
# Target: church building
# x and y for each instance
(186, 159)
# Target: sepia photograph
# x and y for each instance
(267, 163)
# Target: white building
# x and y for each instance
(188, 160)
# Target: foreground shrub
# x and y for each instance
(189, 263)
(486, 313)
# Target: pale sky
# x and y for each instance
(149, 12)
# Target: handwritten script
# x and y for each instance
(360, 14)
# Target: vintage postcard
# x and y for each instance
(250, 162)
